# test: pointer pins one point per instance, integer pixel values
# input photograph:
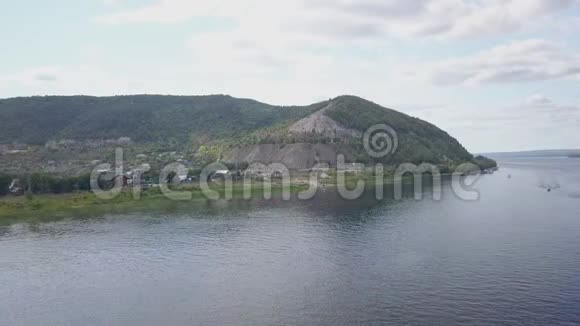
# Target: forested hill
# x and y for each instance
(418, 140)
(227, 122)
(143, 118)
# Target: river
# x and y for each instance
(510, 258)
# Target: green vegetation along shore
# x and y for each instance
(46, 207)
(49, 207)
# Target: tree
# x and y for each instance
(171, 176)
(5, 181)
(485, 163)
(210, 154)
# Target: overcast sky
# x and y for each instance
(499, 75)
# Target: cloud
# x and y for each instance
(176, 11)
(542, 105)
(535, 121)
(46, 77)
(33, 77)
(280, 39)
(537, 110)
(539, 100)
(521, 61)
(362, 18)
(59, 80)
(543, 112)
(449, 18)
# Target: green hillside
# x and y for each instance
(419, 141)
(144, 118)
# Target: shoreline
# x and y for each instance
(40, 207)
(50, 207)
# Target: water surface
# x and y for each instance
(510, 258)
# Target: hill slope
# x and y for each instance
(418, 140)
(144, 118)
(243, 129)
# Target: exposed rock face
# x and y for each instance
(293, 156)
(300, 156)
(320, 123)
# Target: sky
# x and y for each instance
(499, 75)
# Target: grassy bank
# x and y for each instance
(46, 207)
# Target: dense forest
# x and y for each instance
(143, 118)
(419, 141)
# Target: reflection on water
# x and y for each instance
(513, 257)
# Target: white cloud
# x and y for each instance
(448, 18)
(536, 122)
(74, 80)
(360, 18)
(537, 111)
(175, 11)
(539, 99)
(521, 61)
(293, 37)
(547, 108)
(31, 77)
